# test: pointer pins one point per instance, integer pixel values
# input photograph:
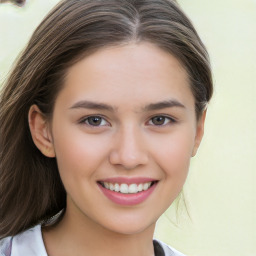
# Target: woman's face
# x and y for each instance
(125, 121)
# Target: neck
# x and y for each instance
(82, 236)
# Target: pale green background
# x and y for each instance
(221, 187)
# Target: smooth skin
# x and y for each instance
(124, 111)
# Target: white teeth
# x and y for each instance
(124, 188)
(133, 188)
(117, 189)
(127, 189)
(146, 186)
(106, 185)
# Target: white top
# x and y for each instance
(30, 243)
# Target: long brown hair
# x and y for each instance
(31, 190)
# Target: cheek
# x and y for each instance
(78, 154)
(174, 155)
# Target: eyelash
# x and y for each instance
(167, 120)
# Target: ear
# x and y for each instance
(40, 131)
(199, 133)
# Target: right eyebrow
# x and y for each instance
(92, 105)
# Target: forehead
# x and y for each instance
(132, 72)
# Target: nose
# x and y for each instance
(128, 149)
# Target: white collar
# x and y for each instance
(29, 243)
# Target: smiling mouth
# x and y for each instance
(124, 188)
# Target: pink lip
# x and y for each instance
(127, 199)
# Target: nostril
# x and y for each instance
(127, 160)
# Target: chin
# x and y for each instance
(130, 227)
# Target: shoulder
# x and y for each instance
(166, 249)
(27, 243)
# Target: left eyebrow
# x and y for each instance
(163, 104)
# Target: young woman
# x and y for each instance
(99, 120)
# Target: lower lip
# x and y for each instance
(127, 199)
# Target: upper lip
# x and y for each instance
(128, 180)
